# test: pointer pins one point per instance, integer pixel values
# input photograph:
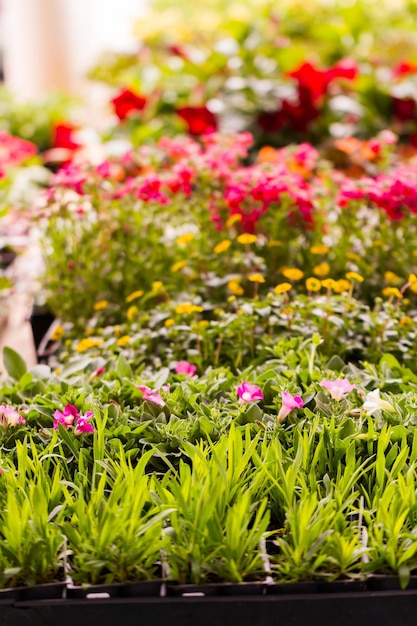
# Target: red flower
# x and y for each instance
(127, 102)
(316, 81)
(198, 119)
(62, 136)
(404, 68)
(404, 108)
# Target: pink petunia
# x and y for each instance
(10, 417)
(289, 403)
(249, 393)
(67, 417)
(184, 367)
(83, 425)
(152, 395)
(337, 388)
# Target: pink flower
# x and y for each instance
(337, 388)
(83, 425)
(184, 367)
(249, 393)
(152, 395)
(67, 417)
(98, 372)
(289, 403)
(10, 417)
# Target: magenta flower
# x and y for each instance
(152, 395)
(184, 367)
(337, 388)
(67, 417)
(249, 393)
(98, 372)
(83, 425)
(289, 403)
(10, 417)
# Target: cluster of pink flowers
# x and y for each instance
(10, 417)
(70, 416)
(13, 151)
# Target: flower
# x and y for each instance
(289, 403)
(182, 240)
(185, 308)
(132, 312)
(235, 287)
(223, 246)
(373, 402)
(57, 333)
(169, 322)
(247, 238)
(152, 395)
(83, 425)
(178, 265)
(123, 341)
(63, 137)
(282, 288)
(337, 388)
(342, 285)
(98, 372)
(292, 273)
(313, 284)
(256, 278)
(355, 277)
(322, 269)
(184, 367)
(127, 102)
(134, 295)
(198, 119)
(249, 393)
(87, 343)
(319, 249)
(100, 305)
(392, 292)
(67, 417)
(10, 417)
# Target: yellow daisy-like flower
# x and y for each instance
(319, 249)
(328, 283)
(123, 341)
(132, 312)
(233, 219)
(157, 286)
(235, 287)
(101, 304)
(414, 252)
(392, 291)
(222, 246)
(292, 273)
(87, 343)
(134, 295)
(178, 265)
(169, 322)
(57, 333)
(256, 278)
(391, 278)
(322, 269)
(187, 307)
(406, 321)
(203, 323)
(342, 285)
(355, 277)
(182, 240)
(353, 256)
(247, 238)
(413, 287)
(282, 288)
(313, 284)
(412, 278)
(231, 299)
(288, 311)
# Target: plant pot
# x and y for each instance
(141, 589)
(190, 591)
(279, 589)
(40, 320)
(388, 582)
(243, 589)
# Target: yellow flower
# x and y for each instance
(247, 238)
(256, 278)
(342, 285)
(292, 273)
(353, 256)
(178, 265)
(233, 219)
(169, 322)
(57, 372)
(288, 311)
(378, 243)
(413, 287)
(203, 323)
(391, 278)
(222, 246)
(235, 287)
(406, 321)
(157, 286)
(274, 243)
(134, 295)
(231, 299)
(132, 312)
(282, 288)
(319, 249)
(355, 277)
(412, 278)
(392, 291)
(313, 284)
(123, 341)
(100, 305)
(322, 269)
(87, 343)
(187, 307)
(57, 333)
(218, 311)
(414, 252)
(184, 239)
(328, 283)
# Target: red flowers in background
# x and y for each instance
(127, 102)
(63, 136)
(198, 119)
(13, 151)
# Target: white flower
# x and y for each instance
(373, 402)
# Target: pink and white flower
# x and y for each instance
(337, 388)
(184, 367)
(249, 393)
(83, 425)
(289, 403)
(67, 417)
(153, 395)
(10, 417)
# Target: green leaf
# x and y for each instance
(14, 364)
(123, 368)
